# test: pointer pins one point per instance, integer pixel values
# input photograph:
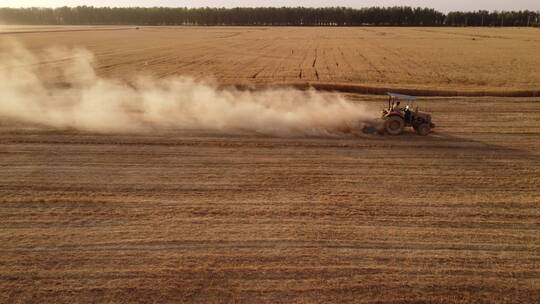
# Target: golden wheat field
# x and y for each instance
(117, 192)
(455, 59)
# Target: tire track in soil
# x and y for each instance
(328, 63)
(278, 67)
(256, 59)
(348, 64)
(306, 49)
(315, 62)
(372, 65)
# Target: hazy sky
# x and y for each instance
(443, 5)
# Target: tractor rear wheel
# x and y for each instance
(394, 125)
(423, 129)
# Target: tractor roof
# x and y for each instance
(401, 96)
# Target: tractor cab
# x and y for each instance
(395, 103)
(398, 116)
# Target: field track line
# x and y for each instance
(63, 31)
(268, 244)
(364, 89)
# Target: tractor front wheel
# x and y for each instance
(394, 125)
(423, 129)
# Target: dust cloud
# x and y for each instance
(88, 102)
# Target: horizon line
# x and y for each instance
(255, 7)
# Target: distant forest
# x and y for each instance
(266, 16)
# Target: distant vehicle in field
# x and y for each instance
(397, 117)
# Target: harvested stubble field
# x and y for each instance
(445, 59)
(213, 217)
(202, 217)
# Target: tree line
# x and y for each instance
(264, 16)
(486, 18)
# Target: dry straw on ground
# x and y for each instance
(208, 216)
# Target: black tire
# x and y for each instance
(423, 129)
(394, 125)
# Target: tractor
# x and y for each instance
(396, 117)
